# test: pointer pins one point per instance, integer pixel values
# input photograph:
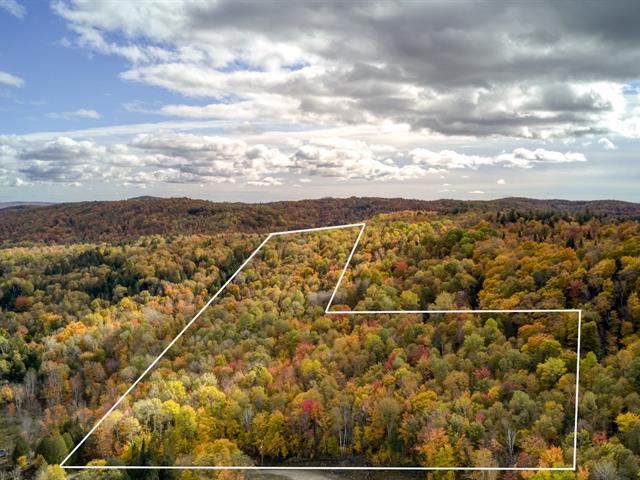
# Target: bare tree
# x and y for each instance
(18, 396)
(31, 385)
(53, 387)
(76, 389)
(247, 417)
(509, 440)
(604, 470)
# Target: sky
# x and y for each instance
(262, 101)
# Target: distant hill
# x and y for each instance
(127, 219)
(22, 204)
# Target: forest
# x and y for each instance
(130, 219)
(265, 377)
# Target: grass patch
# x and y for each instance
(9, 432)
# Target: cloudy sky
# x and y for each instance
(276, 100)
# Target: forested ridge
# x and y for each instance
(130, 219)
(266, 377)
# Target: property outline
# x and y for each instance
(330, 312)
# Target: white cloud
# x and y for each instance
(10, 80)
(501, 181)
(13, 7)
(212, 158)
(345, 65)
(168, 157)
(607, 144)
(265, 182)
(448, 159)
(520, 157)
(75, 114)
(346, 159)
(476, 192)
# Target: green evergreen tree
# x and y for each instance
(20, 449)
(53, 448)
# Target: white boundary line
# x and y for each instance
(575, 429)
(329, 312)
(346, 266)
(328, 469)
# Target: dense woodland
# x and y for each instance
(130, 219)
(265, 377)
